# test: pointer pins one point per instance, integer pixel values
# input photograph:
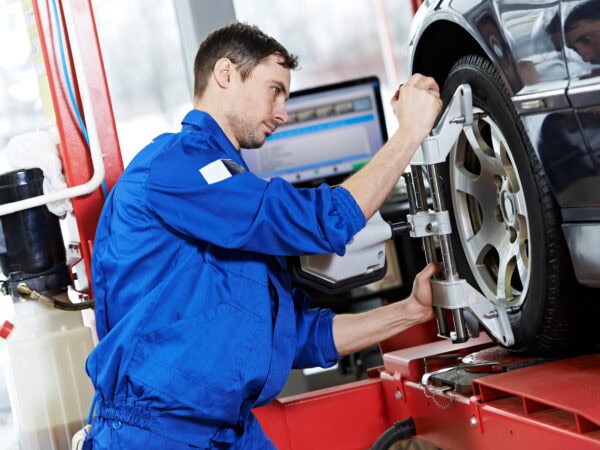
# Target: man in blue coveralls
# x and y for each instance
(197, 319)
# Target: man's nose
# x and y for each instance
(584, 51)
(281, 114)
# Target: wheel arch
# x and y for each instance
(434, 56)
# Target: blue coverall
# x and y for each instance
(197, 319)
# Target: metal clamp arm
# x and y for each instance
(459, 113)
(458, 294)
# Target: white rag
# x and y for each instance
(39, 149)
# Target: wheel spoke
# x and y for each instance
(521, 208)
(475, 246)
(522, 254)
(481, 189)
(493, 234)
(508, 253)
(523, 265)
(489, 157)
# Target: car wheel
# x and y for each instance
(507, 235)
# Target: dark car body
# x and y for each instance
(552, 75)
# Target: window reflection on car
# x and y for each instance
(582, 33)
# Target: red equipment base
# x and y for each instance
(528, 403)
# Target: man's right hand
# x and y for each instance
(416, 105)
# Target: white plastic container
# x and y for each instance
(44, 359)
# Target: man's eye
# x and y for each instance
(276, 90)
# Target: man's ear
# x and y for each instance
(222, 72)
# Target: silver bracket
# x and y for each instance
(459, 113)
(458, 294)
(429, 224)
(428, 375)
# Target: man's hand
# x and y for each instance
(421, 296)
(416, 105)
(354, 332)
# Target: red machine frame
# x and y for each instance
(550, 405)
(553, 405)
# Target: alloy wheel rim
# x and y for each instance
(491, 212)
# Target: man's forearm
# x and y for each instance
(355, 332)
(416, 105)
(371, 185)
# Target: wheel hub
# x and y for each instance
(507, 206)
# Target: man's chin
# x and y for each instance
(253, 144)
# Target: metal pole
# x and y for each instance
(447, 255)
(417, 186)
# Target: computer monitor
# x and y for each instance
(332, 131)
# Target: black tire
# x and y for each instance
(501, 204)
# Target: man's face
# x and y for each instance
(584, 38)
(259, 107)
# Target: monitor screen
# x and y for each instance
(332, 131)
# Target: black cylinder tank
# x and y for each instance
(33, 237)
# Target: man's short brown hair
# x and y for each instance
(244, 45)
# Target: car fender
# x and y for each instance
(479, 23)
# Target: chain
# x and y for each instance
(431, 392)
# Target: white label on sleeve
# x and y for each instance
(215, 171)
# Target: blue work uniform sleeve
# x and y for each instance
(314, 328)
(247, 213)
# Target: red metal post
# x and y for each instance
(415, 5)
(73, 148)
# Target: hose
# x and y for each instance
(399, 431)
(31, 294)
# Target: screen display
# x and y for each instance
(332, 131)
